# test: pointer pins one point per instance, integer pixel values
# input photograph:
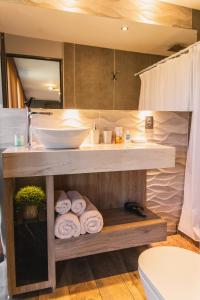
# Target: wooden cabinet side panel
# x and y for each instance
(50, 230)
(10, 239)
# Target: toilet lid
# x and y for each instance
(174, 272)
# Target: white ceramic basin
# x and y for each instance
(60, 138)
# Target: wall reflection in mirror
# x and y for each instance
(89, 69)
(33, 80)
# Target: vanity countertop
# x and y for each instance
(38, 161)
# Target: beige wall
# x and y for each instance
(31, 46)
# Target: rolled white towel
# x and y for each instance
(67, 226)
(78, 202)
(62, 202)
(91, 220)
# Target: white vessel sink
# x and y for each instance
(60, 138)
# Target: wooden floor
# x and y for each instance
(180, 241)
(104, 276)
(108, 276)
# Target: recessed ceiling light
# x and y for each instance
(124, 28)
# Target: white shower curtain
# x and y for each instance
(175, 86)
(168, 86)
(190, 217)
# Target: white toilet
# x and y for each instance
(170, 273)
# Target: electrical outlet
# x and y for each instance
(149, 122)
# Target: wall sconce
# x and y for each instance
(71, 117)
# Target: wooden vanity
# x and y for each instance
(109, 175)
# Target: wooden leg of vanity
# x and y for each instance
(50, 231)
(9, 226)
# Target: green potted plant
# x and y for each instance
(29, 198)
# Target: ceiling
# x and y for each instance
(90, 30)
(187, 3)
(37, 76)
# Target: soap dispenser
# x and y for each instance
(94, 135)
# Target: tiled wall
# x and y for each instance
(164, 186)
(88, 74)
(12, 121)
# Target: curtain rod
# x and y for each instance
(167, 58)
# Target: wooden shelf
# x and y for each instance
(121, 230)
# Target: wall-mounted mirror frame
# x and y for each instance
(47, 103)
(3, 75)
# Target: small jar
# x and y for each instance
(19, 139)
(107, 137)
(118, 135)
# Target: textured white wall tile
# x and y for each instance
(67, 117)
(165, 186)
(12, 121)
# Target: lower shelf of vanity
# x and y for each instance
(121, 230)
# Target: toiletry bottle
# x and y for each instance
(94, 135)
(127, 137)
(118, 135)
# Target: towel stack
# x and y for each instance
(76, 215)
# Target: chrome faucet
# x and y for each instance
(29, 116)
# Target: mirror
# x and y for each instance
(100, 47)
(34, 78)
